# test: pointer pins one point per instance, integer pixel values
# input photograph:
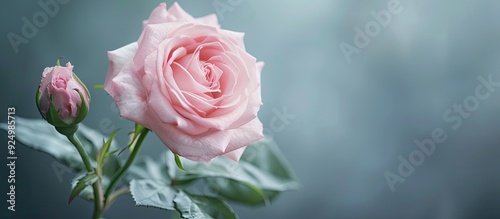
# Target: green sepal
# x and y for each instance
(82, 84)
(178, 162)
(68, 130)
(37, 100)
(83, 109)
(53, 116)
(137, 131)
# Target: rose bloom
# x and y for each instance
(190, 82)
(61, 87)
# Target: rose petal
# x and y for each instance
(236, 37)
(210, 19)
(165, 98)
(129, 94)
(197, 30)
(153, 35)
(176, 14)
(221, 122)
(61, 99)
(255, 101)
(235, 154)
(117, 59)
(158, 15)
(186, 81)
(243, 136)
(202, 147)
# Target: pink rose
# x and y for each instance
(191, 83)
(62, 92)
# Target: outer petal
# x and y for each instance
(117, 59)
(129, 94)
(254, 101)
(236, 37)
(236, 154)
(62, 102)
(176, 14)
(158, 15)
(243, 136)
(210, 19)
(203, 147)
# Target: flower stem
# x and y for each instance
(128, 163)
(98, 198)
(79, 147)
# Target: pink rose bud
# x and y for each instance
(62, 99)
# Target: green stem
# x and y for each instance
(98, 198)
(128, 163)
(79, 147)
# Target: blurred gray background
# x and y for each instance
(353, 120)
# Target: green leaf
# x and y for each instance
(272, 173)
(198, 206)
(149, 182)
(241, 191)
(175, 215)
(38, 134)
(160, 169)
(87, 193)
(104, 153)
(151, 186)
(148, 168)
(81, 184)
(42, 136)
(151, 193)
(138, 129)
(187, 208)
(159, 194)
(261, 174)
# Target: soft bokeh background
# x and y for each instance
(352, 120)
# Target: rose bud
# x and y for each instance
(62, 99)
